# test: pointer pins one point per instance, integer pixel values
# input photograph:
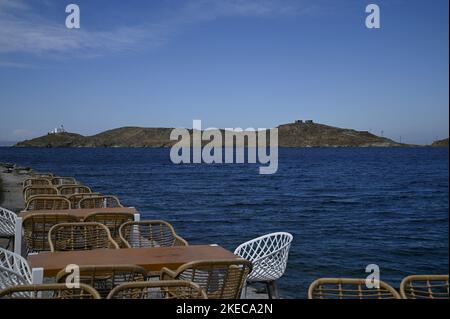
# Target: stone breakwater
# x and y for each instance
(12, 178)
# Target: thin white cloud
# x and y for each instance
(210, 10)
(22, 30)
(12, 4)
(16, 65)
(22, 133)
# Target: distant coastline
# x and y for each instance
(7, 143)
(440, 143)
(296, 135)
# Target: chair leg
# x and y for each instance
(245, 290)
(269, 289)
(274, 288)
(11, 242)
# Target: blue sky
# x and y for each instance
(230, 63)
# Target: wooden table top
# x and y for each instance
(152, 259)
(80, 212)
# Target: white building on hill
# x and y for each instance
(57, 130)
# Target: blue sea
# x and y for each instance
(346, 208)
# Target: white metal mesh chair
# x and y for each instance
(49, 291)
(7, 224)
(269, 255)
(14, 269)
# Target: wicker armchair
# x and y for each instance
(42, 175)
(425, 287)
(159, 289)
(49, 291)
(346, 288)
(68, 190)
(220, 279)
(36, 182)
(80, 236)
(36, 227)
(100, 202)
(107, 277)
(30, 191)
(42, 202)
(113, 221)
(7, 225)
(63, 181)
(14, 269)
(75, 198)
(150, 233)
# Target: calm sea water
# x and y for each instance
(346, 208)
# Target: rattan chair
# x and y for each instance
(14, 269)
(100, 202)
(75, 198)
(425, 287)
(150, 233)
(107, 277)
(80, 236)
(49, 291)
(68, 190)
(42, 175)
(36, 182)
(36, 227)
(43, 202)
(63, 181)
(7, 225)
(113, 221)
(158, 289)
(30, 191)
(269, 255)
(349, 288)
(220, 279)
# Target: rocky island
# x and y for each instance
(298, 134)
(440, 143)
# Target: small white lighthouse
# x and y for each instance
(57, 130)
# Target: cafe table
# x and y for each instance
(48, 264)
